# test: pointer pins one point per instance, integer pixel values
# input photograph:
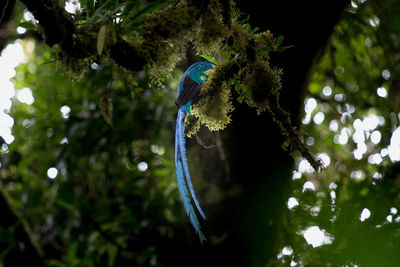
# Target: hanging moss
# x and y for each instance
(211, 30)
(192, 125)
(74, 67)
(262, 82)
(168, 33)
(244, 55)
(204, 25)
(215, 104)
(214, 111)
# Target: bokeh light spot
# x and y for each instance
(65, 110)
(308, 186)
(25, 96)
(292, 203)
(365, 214)
(142, 166)
(376, 137)
(52, 172)
(316, 237)
(382, 92)
(319, 118)
(327, 91)
(386, 74)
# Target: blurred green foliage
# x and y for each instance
(108, 132)
(114, 183)
(351, 112)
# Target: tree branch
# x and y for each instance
(59, 28)
(127, 56)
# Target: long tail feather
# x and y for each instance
(188, 206)
(182, 149)
(182, 183)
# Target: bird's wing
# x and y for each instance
(190, 90)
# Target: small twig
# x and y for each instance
(282, 118)
(222, 155)
(203, 144)
(4, 11)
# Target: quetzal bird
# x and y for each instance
(188, 89)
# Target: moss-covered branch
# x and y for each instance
(292, 135)
(60, 29)
(213, 28)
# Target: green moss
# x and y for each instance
(215, 31)
(74, 67)
(169, 32)
(264, 41)
(211, 30)
(214, 110)
(262, 83)
(192, 125)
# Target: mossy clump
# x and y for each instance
(211, 30)
(74, 67)
(192, 125)
(214, 106)
(262, 82)
(214, 110)
(243, 55)
(168, 33)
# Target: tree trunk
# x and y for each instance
(249, 220)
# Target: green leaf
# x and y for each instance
(139, 16)
(139, 30)
(235, 44)
(112, 252)
(268, 40)
(283, 48)
(113, 34)
(129, 6)
(211, 59)
(226, 56)
(254, 30)
(264, 54)
(90, 7)
(71, 253)
(27, 25)
(279, 41)
(101, 37)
